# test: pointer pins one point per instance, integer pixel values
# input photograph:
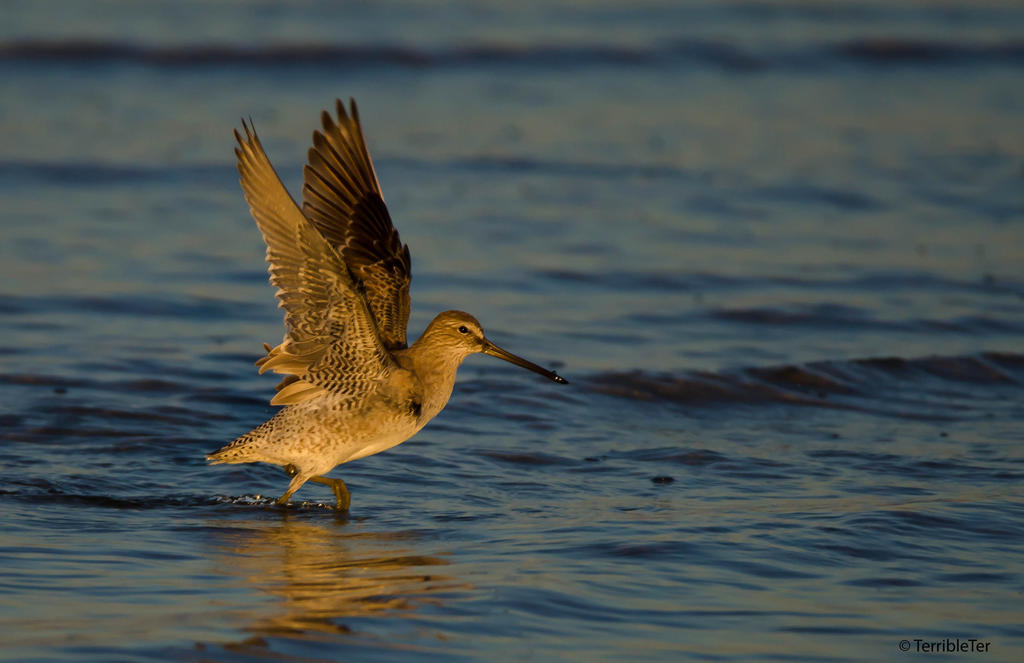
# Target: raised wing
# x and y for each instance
(341, 197)
(331, 342)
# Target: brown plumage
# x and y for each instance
(340, 184)
(352, 387)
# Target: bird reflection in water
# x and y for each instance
(325, 573)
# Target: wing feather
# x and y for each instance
(331, 343)
(342, 199)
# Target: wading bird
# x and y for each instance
(352, 386)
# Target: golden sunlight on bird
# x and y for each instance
(352, 386)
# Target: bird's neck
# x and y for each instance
(435, 371)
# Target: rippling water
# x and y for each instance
(776, 247)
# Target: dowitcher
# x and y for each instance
(352, 386)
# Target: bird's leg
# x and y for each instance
(340, 491)
(296, 483)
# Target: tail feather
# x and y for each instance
(249, 448)
(239, 451)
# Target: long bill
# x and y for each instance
(495, 351)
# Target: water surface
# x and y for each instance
(776, 248)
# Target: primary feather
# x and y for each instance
(331, 341)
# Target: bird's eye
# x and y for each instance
(463, 330)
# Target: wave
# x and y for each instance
(92, 173)
(145, 306)
(42, 491)
(934, 387)
(871, 51)
(841, 317)
(920, 388)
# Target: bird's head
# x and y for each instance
(460, 334)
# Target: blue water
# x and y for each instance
(777, 248)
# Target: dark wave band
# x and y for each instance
(876, 52)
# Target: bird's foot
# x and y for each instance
(341, 492)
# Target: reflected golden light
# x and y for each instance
(324, 573)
